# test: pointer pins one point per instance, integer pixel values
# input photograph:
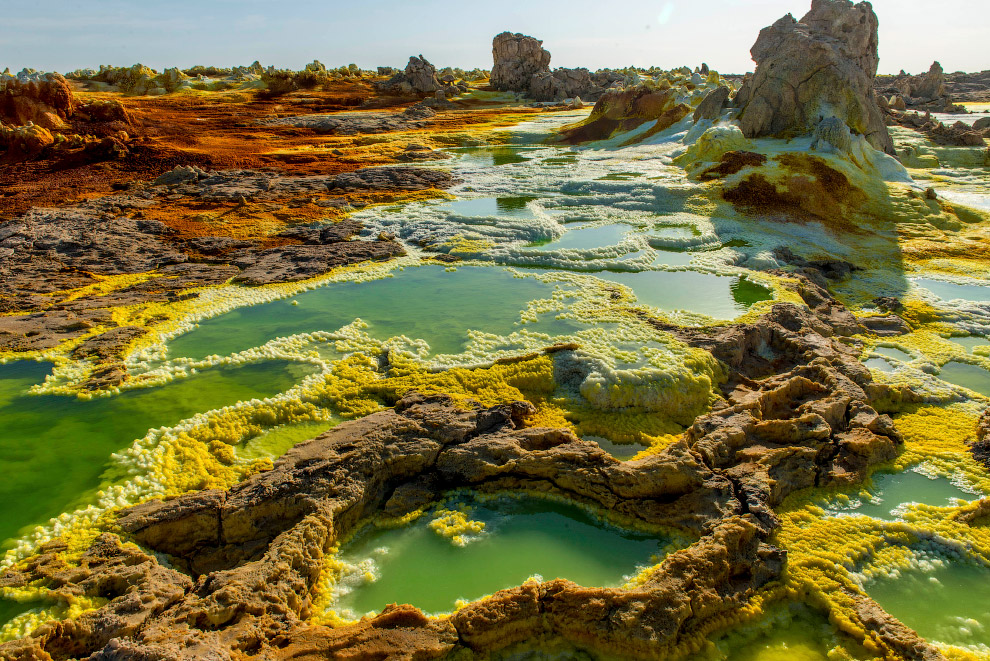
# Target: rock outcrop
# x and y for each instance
(517, 58)
(47, 102)
(251, 557)
(819, 67)
(927, 91)
(419, 77)
(621, 110)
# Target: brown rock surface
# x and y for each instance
(809, 70)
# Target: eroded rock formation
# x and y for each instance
(517, 58)
(819, 67)
(250, 558)
(47, 102)
(419, 77)
(620, 110)
(927, 91)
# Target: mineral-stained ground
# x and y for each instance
(252, 317)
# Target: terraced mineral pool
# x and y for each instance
(673, 258)
(970, 343)
(946, 600)
(489, 206)
(891, 492)
(500, 155)
(718, 296)
(424, 302)
(966, 375)
(950, 291)
(585, 237)
(56, 449)
(522, 538)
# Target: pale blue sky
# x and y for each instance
(65, 34)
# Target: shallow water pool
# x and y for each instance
(892, 491)
(424, 302)
(950, 291)
(523, 537)
(966, 375)
(718, 296)
(948, 603)
(55, 449)
(585, 238)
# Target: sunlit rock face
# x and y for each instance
(517, 58)
(809, 70)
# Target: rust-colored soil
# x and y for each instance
(224, 130)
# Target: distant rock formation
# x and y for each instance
(522, 65)
(517, 58)
(419, 77)
(927, 91)
(46, 101)
(808, 71)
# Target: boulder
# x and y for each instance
(517, 58)
(419, 77)
(711, 106)
(930, 85)
(821, 66)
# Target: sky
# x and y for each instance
(62, 35)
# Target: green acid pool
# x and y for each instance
(891, 492)
(522, 538)
(56, 449)
(589, 237)
(424, 302)
(969, 376)
(946, 601)
(718, 296)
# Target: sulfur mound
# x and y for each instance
(820, 67)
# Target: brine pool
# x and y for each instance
(521, 538)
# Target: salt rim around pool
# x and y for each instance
(451, 518)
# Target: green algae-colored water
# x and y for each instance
(277, 441)
(881, 364)
(424, 302)
(891, 491)
(56, 449)
(950, 291)
(494, 155)
(966, 375)
(584, 238)
(800, 635)
(970, 343)
(721, 297)
(523, 537)
(948, 603)
(489, 206)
